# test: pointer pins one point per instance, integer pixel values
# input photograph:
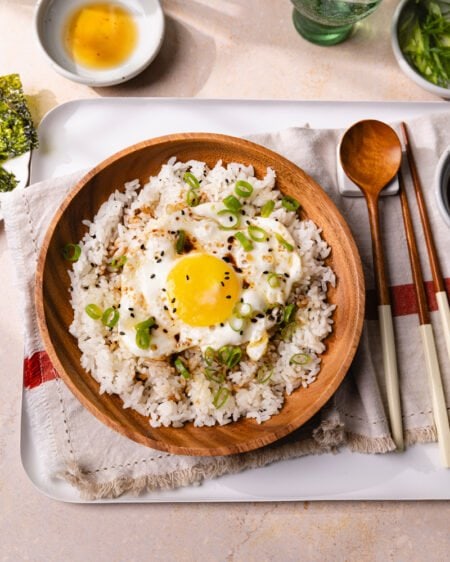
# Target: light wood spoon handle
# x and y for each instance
(391, 374)
(444, 312)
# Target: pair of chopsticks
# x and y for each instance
(439, 406)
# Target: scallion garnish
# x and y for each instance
(289, 313)
(300, 359)
(237, 323)
(93, 311)
(243, 309)
(181, 240)
(209, 356)
(232, 203)
(264, 374)
(257, 234)
(244, 241)
(229, 220)
(143, 336)
(283, 242)
(110, 317)
(267, 208)
(192, 198)
(289, 203)
(274, 280)
(288, 331)
(181, 368)
(116, 263)
(214, 375)
(71, 252)
(191, 180)
(229, 355)
(221, 397)
(243, 188)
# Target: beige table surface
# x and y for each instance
(213, 48)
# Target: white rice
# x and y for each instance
(154, 388)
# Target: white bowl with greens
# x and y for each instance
(421, 43)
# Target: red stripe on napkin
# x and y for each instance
(37, 369)
(403, 299)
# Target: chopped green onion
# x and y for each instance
(256, 233)
(283, 242)
(244, 241)
(232, 203)
(243, 188)
(289, 203)
(143, 339)
(71, 252)
(181, 368)
(192, 198)
(267, 208)
(288, 331)
(221, 397)
(289, 313)
(237, 323)
(264, 374)
(110, 317)
(93, 311)
(229, 355)
(191, 180)
(115, 263)
(243, 309)
(181, 240)
(209, 356)
(300, 359)
(214, 375)
(228, 219)
(146, 324)
(274, 280)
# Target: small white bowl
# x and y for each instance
(50, 17)
(409, 70)
(442, 185)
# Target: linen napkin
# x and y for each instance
(100, 463)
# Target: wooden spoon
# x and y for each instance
(371, 155)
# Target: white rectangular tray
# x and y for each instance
(79, 134)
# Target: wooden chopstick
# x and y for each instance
(436, 273)
(426, 331)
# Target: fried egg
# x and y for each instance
(193, 295)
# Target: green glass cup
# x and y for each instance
(327, 22)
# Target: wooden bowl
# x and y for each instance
(55, 312)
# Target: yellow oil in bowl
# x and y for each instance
(100, 35)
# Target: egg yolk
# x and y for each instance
(202, 290)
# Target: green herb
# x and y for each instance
(289, 203)
(181, 368)
(191, 180)
(243, 309)
(221, 397)
(424, 38)
(71, 252)
(232, 203)
(143, 336)
(256, 233)
(237, 323)
(229, 220)
(17, 132)
(110, 317)
(244, 241)
(181, 241)
(264, 374)
(93, 311)
(300, 359)
(289, 313)
(243, 188)
(209, 356)
(267, 208)
(229, 355)
(214, 375)
(192, 198)
(283, 242)
(116, 263)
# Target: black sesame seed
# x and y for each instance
(243, 212)
(94, 236)
(286, 275)
(164, 290)
(230, 239)
(265, 272)
(174, 310)
(182, 212)
(176, 337)
(253, 320)
(166, 308)
(122, 333)
(228, 297)
(173, 300)
(165, 331)
(130, 308)
(162, 253)
(260, 315)
(222, 324)
(222, 283)
(187, 277)
(142, 246)
(241, 332)
(132, 314)
(152, 276)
